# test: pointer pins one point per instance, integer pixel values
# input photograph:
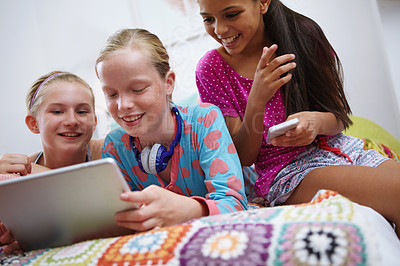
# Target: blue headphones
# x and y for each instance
(154, 159)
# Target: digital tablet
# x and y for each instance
(64, 206)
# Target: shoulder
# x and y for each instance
(197, 110)
(37, 168)
(115, 134)
(200, 113)
(33, 156)
(211, 58)
(209, 55)
(118, 138)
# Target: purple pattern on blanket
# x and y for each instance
(238, 244)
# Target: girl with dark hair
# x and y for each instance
(275, 65)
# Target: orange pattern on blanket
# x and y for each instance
(149, 248)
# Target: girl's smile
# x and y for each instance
(136, 95)
(132, 120)
(66, 121)
(234, 24)
(230, 42)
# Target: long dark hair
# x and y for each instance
(317, 80)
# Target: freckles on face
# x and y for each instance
(134, 91)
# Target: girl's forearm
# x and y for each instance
(249, 135)
(329, 124)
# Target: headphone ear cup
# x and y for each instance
(155, 158)
(144, 158)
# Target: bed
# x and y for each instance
(330, 230)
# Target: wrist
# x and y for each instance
(255, 101)
(202, 206)
(329, 124)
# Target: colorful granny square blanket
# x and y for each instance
(327, 231)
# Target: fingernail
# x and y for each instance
(124, 196)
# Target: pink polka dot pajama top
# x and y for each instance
(280, 169)
(219, 84)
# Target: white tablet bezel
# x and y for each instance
(64, 206)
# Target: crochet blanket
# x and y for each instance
(330, 230)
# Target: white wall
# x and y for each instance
(39, 36)
(390, 16)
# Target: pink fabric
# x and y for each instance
(211, 205)
(219, 84)
(7, 177)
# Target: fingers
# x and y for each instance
(266, 56)
(29, 166)
(15, 163)
(6, 238)
(137, 198)
(277, 63)
(273, 74)
(141, 226)
(141, 219)
(17, 169)
(304, 134)
(3, 229)
(13, 248)
(279, 82)
(153, 211)
(282, 64)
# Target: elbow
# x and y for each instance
(246, 158)
(246, 161)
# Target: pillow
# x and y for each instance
(381, 148)
(374, 137)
